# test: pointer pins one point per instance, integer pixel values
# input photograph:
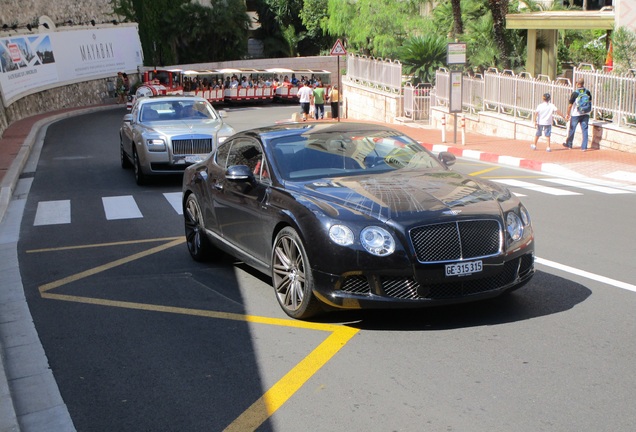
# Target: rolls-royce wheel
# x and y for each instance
(125, 162)
(140, 177)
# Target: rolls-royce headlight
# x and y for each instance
(525, 216)
(341, 235)
(514, 226)
(156, 144)
(377, 241)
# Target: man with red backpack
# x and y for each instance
(578, 112)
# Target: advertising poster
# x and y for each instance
(32, 63)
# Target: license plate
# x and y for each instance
(463, 269)
(193, 159)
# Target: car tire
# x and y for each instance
(125, 162)
(197, 241)
(292, 277)
(140, 177)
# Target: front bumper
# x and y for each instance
(423, 285)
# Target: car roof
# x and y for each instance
(290, 129)
(171, 98)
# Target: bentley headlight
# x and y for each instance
(341, 235)
(377, 241)
(155, 144)
(525, 216)
(514, 225)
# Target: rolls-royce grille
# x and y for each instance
(191, 146)
(456, 240)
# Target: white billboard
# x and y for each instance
(30, 63)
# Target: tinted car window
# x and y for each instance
(222, 152)
(336, 154)
(245, 152)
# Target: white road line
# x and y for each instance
(174, 198)
(585, 274)
(531, 186)
(595, 188)
(121, 207)
(53, 213)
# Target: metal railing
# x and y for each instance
(416, 102)
(382, 74)
(517, 95)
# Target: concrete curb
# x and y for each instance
(512, 161)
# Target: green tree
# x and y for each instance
(214, 33)
(624, 49)
(498, 9)
(422, 55)
(458, 22)
(373, 27)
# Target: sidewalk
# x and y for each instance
(609, 167)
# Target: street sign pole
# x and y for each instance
(338, 50)
(455, 56)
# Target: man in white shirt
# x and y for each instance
(305, 95)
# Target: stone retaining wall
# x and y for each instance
(82, 94)
(23, 12)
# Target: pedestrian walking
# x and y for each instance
(319, 101)
(120, 88)
(334, 100)
(543, 119)
(306, 97)
(579, 108)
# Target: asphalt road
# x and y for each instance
(141, 338)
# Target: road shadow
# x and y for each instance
(546, 294)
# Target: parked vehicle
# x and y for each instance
(353, 215)
(165, 134)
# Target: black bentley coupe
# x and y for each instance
(354, 215)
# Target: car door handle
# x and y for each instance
(218, 186)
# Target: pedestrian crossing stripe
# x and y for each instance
(125, 207)
(121, 207)
(174, 198)
(53, 213)
(538, 188)
(595, 188)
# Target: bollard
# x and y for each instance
(444, 128)
(463, 130)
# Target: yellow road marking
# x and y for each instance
(272, 399)
(108, 266)
(516, 177)
(89, 246)
(483, 171)
(280, 392)
(195, 312)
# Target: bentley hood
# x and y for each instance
(406, 195)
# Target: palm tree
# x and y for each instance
(421, 56)
(458, 27)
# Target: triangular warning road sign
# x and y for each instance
(338, 49)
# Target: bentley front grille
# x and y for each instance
(454, 241)
(192, 146)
